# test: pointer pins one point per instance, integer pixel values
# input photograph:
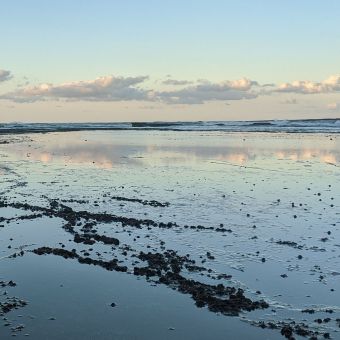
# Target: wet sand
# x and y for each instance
(174, 235)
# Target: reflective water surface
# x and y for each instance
(108, 149)
(268, 190)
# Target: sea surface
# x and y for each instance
(292, 126)
(258, 210)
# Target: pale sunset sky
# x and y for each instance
(169, 60)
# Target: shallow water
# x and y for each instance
(266, 189)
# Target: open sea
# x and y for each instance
(292, 126)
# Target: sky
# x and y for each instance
(169, 60)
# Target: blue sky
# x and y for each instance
(268, 42)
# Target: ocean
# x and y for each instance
(291, 126)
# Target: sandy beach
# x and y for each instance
(167, 234)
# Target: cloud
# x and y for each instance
(107, 88)
(114, 88)
(5, 75)
(331, 84)
(207, 91)
(333, 106)
(111, 88)
(176, 82)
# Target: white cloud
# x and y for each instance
(113, 89)
(5, 75)
(333, 106)
(207, 91)
(331, 84)
(243, 84)
(108, 88)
